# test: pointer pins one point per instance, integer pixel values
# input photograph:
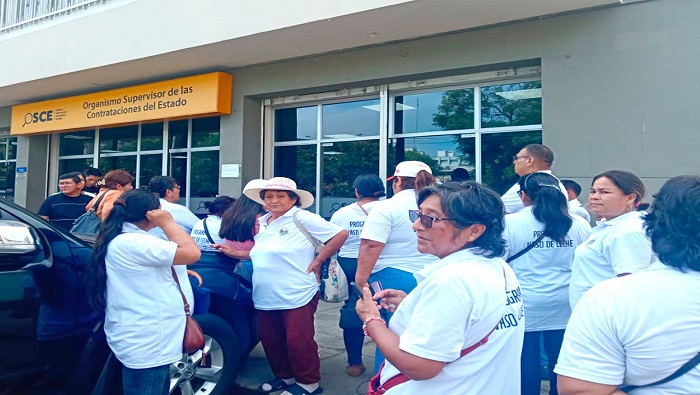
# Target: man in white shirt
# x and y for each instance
(168, 189)
(573, 190)
(530, 159)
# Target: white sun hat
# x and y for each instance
(409, 168)
(278, 184)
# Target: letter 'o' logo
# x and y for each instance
(34, 117)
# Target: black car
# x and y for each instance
(53, 343)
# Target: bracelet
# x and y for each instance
(370, 319)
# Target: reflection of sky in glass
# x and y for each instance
(416, 114)
(306, 123)
(359, 118)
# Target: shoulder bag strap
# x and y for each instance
(206, 230)
(678, 373)
(362, 208)
(306, 233)
(526, 249)
(184, 299)
(97, 203)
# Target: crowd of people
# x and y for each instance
(464, 291)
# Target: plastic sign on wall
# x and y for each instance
(201, 95)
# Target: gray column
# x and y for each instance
(31, 186)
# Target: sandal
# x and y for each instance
(355, 370)
(272, 385)
(296, 389)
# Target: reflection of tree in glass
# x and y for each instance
(299, 164)
(342, 162)
(501, 105)
(204, 179)
(456, 111)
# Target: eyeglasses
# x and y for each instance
(516, 157)
(66, 183)
(176, 187)
(425, 220)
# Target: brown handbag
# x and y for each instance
(194, 337)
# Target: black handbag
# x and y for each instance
(88, 224)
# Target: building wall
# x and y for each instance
(619, 84)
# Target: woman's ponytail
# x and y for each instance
(549, 204)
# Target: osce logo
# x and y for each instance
(36, 117)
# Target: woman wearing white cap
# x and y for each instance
(285, 284)
(388, 246)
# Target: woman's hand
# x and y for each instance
(315, 267)
(390, 299)
(160, 218)
(195, 275)
(366, 307)
(226, 250)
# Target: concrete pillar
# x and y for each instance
(31, 186)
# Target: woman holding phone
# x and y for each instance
(460, 330)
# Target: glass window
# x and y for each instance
(511, 104)
(293, 124)
(204, 179)
(69, 165)
(77, 143)
(151, 166)
(352, 119)
(120, 139)
(299, 164)
(434, 111)
(205, 132)
(442, 153)
(12, 149)
(152, 136)
(177, 134)
(177, 169)
(127, 163)
(7, 180)
(342, 162)
(497, 150)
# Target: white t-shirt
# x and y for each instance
(636, 330)
(281, 256)
(183, 217)
(457, 302)
(145, 317)
(200, 235)
(352, 219)
(388, 223)
(544, 272)
(512, 201)
(614, 247)
(576, 208)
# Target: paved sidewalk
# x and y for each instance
(329, 337)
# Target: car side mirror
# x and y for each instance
(20, 245)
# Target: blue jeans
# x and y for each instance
(530, 370)
(349, 322)
(149, 381)
(391, 279)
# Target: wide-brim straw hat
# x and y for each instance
(278, 184)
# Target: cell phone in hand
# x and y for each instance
(356, 289)
(375, 286)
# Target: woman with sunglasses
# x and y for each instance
(388, 253)
(540, 243)
(460, 330)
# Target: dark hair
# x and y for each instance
(369, 186)
(626, 181)
(541, 152)
(469, 203)
(421, 180)
(74, 175)
(117, 177)
(91, 171)
(219, 205)
(673, 224)
(238, 221)
(161, 184)
(292, 195)
(460, 174)
(572, 185)
(549, 205)
(131, 206)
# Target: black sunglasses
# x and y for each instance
(425, 220)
